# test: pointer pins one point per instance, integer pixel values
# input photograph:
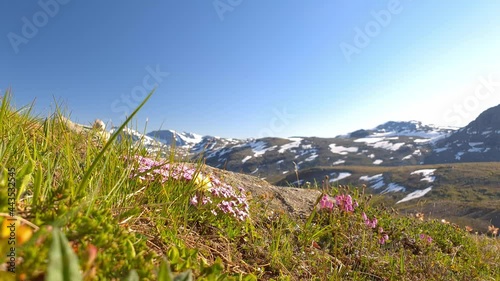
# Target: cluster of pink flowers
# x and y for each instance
(227, 199)
(343, 202)
(150, 169)
(326, 203)
(370, 223)
(383, 237)
(231, 202)
(426, 238)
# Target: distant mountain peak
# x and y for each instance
(181, 138)
(396, 126)
(477, 142)
(410, 128)
(487, 120)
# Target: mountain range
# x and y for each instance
(389, 144)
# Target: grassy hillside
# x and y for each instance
(87, 208)
(465, 193)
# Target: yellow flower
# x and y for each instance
(202, 182)
(24, 234)
(14, 229)
(8, 227)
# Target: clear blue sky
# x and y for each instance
(241, 68)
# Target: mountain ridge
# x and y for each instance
(393, 143)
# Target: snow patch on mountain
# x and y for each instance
(289, 146)
(415, 194)
(476, 147)
(427, 174)
(341, 149)
(338, 162)
(439, 150)
(376, 181)
(369, 140)
(407, 157)
(259, 148)
(393, 187)
(340, 176)
(312, 157)
(388, 145)
(246, 159)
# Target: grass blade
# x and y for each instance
(86, 177)
(63, 263)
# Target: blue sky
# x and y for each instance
(240, 68)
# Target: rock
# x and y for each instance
(99, 124)
(98, 127)
(297, 202)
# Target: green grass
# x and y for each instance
(86, 187)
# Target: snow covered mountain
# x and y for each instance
(183, 139)
(477, 142)
(405, 128)
(137, 138)
(194, 144)
(390, 144)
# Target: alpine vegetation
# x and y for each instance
(74, 207)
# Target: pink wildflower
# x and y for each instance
(194, 200)
(326, 203)
(383, 237)
(344, 202)
(425, 237)
(370, 223)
